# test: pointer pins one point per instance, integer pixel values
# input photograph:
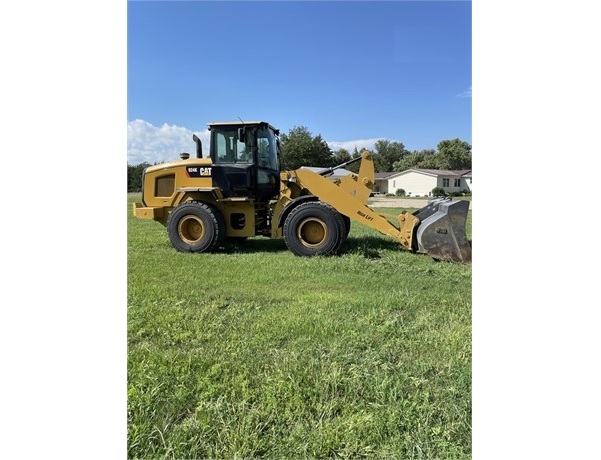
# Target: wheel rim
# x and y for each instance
(190, 229)
(312, 232)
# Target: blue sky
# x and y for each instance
(352, 71)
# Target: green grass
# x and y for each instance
(255, 353)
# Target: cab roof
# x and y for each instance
(242, 123)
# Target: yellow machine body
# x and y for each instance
(203, 202)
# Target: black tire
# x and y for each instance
(195, 227)
(347, 225)
(314, 228)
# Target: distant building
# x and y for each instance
(421, 182)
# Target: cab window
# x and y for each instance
(228, 149)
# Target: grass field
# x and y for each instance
(255, 353)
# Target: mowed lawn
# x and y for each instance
(253, 352)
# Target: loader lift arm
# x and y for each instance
(437, 229)
(328, 192)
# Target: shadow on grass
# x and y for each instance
(252, 245)
(368, 246)
(371, 247)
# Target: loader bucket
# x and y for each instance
(441, 232)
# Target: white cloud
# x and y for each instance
(350, 145)
(147, 143)
(467, 93)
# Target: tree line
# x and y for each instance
(301, 148)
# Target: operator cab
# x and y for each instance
(246, 159)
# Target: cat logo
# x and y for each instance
(196, 171)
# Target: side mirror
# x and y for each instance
(242, 134)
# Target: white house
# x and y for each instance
(421, 182)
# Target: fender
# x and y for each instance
(293, 204)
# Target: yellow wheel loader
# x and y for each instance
(240, 192)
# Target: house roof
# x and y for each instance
(443, 172)
(428, 172)
(384, 175)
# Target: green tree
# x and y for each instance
(355, 166)
(300, 148)
(134, 177)
(342, 156)
(451, 154)
(455, 154)
(422, 159)
(387, 153)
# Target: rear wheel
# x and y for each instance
(195, 227)
(314, 228)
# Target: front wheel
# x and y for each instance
(314, 228)
(347, 225)
(195, 227)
